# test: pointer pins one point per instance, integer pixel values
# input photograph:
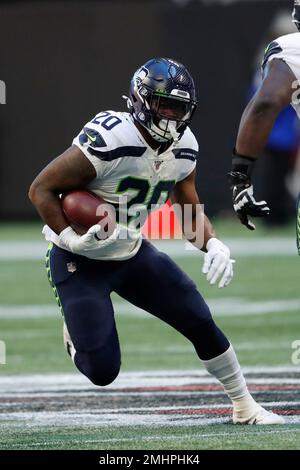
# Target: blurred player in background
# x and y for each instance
(275, 171)
(280, 87)
(144, 156)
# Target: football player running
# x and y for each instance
(280, 87)
(143, 156)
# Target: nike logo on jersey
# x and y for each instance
(93, 139)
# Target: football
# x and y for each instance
(83, 209)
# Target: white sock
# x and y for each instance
(227, 370)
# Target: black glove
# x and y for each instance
(244, 203)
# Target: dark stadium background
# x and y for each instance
(64, 61)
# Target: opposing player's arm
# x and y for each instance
(256, 125)
(259, 116)
(71, 170)
(198, 230)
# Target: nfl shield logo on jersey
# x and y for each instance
(157, 164)
(71, 267)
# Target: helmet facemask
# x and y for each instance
(170, 115)
(296, 14)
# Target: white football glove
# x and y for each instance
(217, 263)
(84, 244)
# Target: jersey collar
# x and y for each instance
(152, 153)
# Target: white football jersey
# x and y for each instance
(130, 171)
(287, 48)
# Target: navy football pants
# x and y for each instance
(150, 280)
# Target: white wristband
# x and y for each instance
(216, 243)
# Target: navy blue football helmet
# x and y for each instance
(162, 98)
(296, 14)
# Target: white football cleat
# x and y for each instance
(259, 417)
(68, 342)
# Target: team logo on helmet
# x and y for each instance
(140, 75)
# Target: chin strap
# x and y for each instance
(172, 129)
(171, 133)
(156, 136)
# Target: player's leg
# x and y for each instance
(82, 289)
(156, 284)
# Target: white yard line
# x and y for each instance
(160, 378)
(223, 307)
(35, 250)
(64, 419)
(151, 409)
(59, 386)
(79, 393)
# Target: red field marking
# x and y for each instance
(198, 411)
(220, 411)
(284, 411)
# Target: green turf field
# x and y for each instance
(34, 345)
